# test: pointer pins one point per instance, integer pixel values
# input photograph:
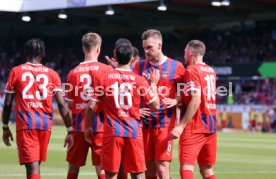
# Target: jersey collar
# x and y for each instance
(94, 60)
(161, 62)
(121, 69)
(33, 64)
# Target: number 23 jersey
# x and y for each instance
(33, 85)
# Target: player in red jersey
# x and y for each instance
(80, 80)
(33, 86)
(197, 129)
(120, 90)
(157, 125)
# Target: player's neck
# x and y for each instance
(90, 57)
(161, 58)
(125, 67)
(34, 61)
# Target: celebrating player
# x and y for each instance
(77, 98)
(33, 86)
(122, 91)
(197, 129)
(157, 125)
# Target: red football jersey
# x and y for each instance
(171, 73)
(81, 80)
(33, 85)
(120, 91)
(202, 78)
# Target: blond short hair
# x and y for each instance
(156, 34)
(197, 47)
(91, 41)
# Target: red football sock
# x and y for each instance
(152, 177)
(186, 174)
(34, 176)
(211, 177)
(101, 176)
(72, 176)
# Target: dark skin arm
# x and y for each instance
(65, 114)
(7, 135)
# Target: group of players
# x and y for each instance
(129, 124)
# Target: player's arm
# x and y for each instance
(154, 78)
(171, 102)
(65, 114)
(7, 135)
(88, 133)
(190, 112)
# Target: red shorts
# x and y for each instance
(197, 147)
(158, 144)
(129, 151)
(78, 154)
(32, 145)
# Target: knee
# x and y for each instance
(73, 169)
(206, 171)
(163, 172)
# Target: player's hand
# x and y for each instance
(144, 112)
(169, 102)
(177, 131)
(7, 135)
(154, 75)
(69, 141)
(111, 61)
(88, 134)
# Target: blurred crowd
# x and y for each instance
(224, 47)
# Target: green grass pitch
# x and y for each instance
(240, 156)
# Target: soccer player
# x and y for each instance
(157, 126)
(78, 98)
(197, 129)
(120, 90)
(33, 86)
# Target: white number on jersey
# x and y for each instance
(30, 84)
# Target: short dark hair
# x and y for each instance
(197, 46)
(135, 52)
(122, 41)
(34, 48)
(124, 52)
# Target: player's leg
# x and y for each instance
(33, 170)
(31, 152)
(76, 157)
(189, 147)
(137, 175)
(207, 157)
(111, 156)
(149, 153)
(163, 152)
(163, 169)
(122, 174)
(96, 153)
(134, 157)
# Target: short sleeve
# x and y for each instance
(10, 86)
(180, 71)
(192, 80)
(69, 88)
(145, 92)
(56, 82)
(97, 87)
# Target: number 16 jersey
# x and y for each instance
(33, 85)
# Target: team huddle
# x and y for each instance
(125, 112)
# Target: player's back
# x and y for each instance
(203, 77)
(80, 79)
(34, 86)
(122, 92)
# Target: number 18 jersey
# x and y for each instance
(33, 85)
(202, 78)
